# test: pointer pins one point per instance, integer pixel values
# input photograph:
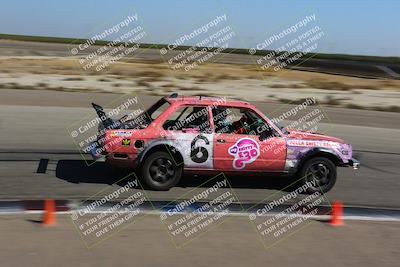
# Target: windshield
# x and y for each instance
(282, 128)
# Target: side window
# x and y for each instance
(225, 118)
(189, 117)
(240, 121)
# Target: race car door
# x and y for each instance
(189, 130)
(237, 142)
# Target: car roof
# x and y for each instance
(205, 100)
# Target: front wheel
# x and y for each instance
(160, 172)
(320, 174)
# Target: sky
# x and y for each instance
(362, 27)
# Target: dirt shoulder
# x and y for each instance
(229, 80)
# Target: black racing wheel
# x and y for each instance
(160, 171)
(321, 172)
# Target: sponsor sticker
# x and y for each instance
(245, 151)
(309, 143)
(121, 134)
(126, 142)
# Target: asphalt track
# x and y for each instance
(146, 242)
(32, 130)
(339, 67)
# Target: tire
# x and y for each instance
(319, 171)
(160, 172)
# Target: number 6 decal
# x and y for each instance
(199, 154)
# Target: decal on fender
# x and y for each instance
(126, 142)
(245, 151)
(313, 143)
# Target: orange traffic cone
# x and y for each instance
(337, 214)
(49, 217)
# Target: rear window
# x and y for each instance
(157, 109)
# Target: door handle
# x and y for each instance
(221, 141)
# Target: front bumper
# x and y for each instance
(354, 163)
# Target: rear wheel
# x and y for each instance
(160, 172)
(320, 174)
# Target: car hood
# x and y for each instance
(301, 135)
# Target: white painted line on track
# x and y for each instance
(346, 217)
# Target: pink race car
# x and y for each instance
(203, 134)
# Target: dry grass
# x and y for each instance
(157, 78)
(332, 101)
(74, 79)
(104, 80)
(153, 74)
(169, 85)
(295, 101)
(42, 85)
(336, 85)
(329, 85)
(287, 85)
(222, 77)
(194, 88)
(143, 83)
(205, 73)
(387, 109)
